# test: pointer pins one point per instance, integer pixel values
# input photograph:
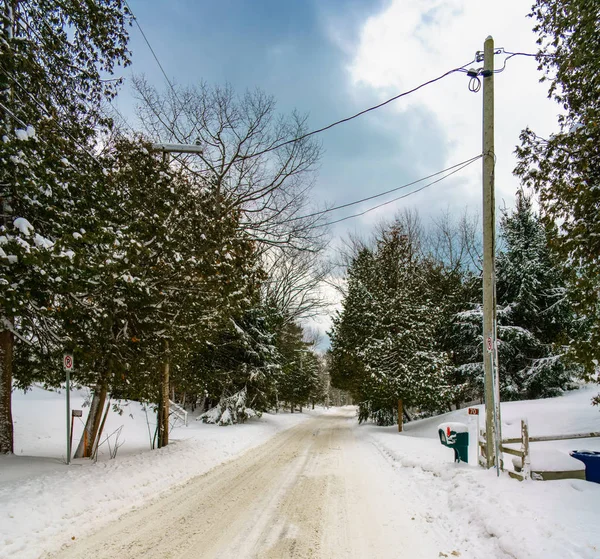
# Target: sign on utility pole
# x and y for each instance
(490, 355)
(68, 365)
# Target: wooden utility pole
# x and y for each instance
(490, 360)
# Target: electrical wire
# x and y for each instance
(308, 134)
(511, 55)
(474, 84)
(470, 162)
(347, 119)
(13, 115)
(102, 109)
(43, 108)
(475, 81)
(328, 210)
(150, 46)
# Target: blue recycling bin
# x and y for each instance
(591, 459)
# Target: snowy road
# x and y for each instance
(319, 489)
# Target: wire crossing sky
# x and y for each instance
(328, 59)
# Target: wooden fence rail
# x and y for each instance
(523, 452)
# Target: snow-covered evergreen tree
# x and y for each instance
(535, 320)
(564, 169)
(354, 324)
(534, 316)
(395, 354)
(54, 59)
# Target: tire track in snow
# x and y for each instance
(317, 490)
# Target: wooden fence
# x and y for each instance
(523, 453)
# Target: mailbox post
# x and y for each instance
(475, 412)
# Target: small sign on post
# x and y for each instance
(489, 344)
(473, 411)
(68, 365)
(68, 362)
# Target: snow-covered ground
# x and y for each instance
(43, 501)
(468, 510)
(533, 519)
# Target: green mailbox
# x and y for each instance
(455, 436)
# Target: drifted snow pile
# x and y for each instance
(231, 409)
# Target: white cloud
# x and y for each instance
(411, 42)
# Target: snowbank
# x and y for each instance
(530, 520)
(44, 502)
(551, 460)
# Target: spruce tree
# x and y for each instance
(535, 317)
(564, 169)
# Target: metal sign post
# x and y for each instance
(68, 367)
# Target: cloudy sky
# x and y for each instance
(332, 58)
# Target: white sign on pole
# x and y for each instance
(68, 362)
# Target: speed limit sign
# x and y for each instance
(68, 362)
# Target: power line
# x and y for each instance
(472, 159)
(43, 108)
(502, 50)
(474, 73)
(308, 134)
(373, 108)
(150, 47)
(42, 40)
(512, 54)
(464, 165)
(13, 115)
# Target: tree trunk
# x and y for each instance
(92, 424)
(162, 417)
(7, 338)
(7, 342)
(400, 415)
(100, 429)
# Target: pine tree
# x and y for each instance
(353, 325)
(535, 319)
(534, 315)
(299, 381)
(565, 168)
(52, 87)
(395, 354)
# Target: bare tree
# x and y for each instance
(253, 157)
(295, 281)
(454, 241)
